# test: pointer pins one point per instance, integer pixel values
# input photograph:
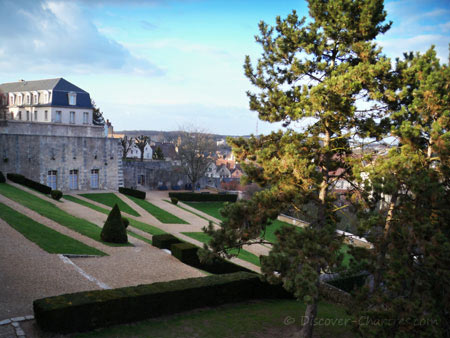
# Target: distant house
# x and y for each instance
(236, 172)
(223, 171)
(168, 149)
(135, 152)
(49, 101)
(212, 170)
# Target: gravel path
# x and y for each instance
(27, 272)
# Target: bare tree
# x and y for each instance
(196, 151)
(126, 144)
(141, 142)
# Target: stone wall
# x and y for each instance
(50, 129)
(34, 155)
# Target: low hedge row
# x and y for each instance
(2, 178)
(187, 253)
(133, 192)
(164, 241)
(196, 197)
(88, 310)
(20, 179)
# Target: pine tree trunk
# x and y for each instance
(308, 320)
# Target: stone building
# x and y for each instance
(61, 148)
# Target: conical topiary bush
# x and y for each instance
(114, 231)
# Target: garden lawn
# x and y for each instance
(150, 229)
(160, 214)
(210, 208)
(46, 238)
(109, 199)
(243, 254)
(86, 204)
(52, 212)
(263, 319)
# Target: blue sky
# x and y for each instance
(161, 64)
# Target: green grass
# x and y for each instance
(142, 238)
(86, 204)
(192, 212)
(46, 238)
(160, 214)
(109, 199)
(52, 212)
(263, 318)
(150, 229)
(243, 254)
(210, 208)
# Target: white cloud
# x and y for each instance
(57, 36)
(420, 43)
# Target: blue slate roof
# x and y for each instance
(60, 88)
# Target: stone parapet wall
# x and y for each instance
(34, 155)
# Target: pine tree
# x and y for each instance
(158, 154)
(406, 214)
(309, 77)
(114, 230)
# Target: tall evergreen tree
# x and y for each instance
(310, 76)
(406, 212)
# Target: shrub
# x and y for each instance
(93, 309)
(126, 222)
(37, 186)
(174, 200)
(2, 178)
(20, 179)
(164, 241)
(56, 194)
(114, 231)
(188, 254)
(196, 197)
(133, 192)
(16, 178)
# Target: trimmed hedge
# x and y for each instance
(164, 241)
(133, 192)
(199, 197)
(20, 179)
(16, 178)
(88, 310)
(56, 194)
(2, 178)
(187, 253)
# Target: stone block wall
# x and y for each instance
(34, 155)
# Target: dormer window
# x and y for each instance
(11, 100)
(28, 99)
(35, 98)
(72, 99)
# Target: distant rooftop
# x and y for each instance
(59, 84)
